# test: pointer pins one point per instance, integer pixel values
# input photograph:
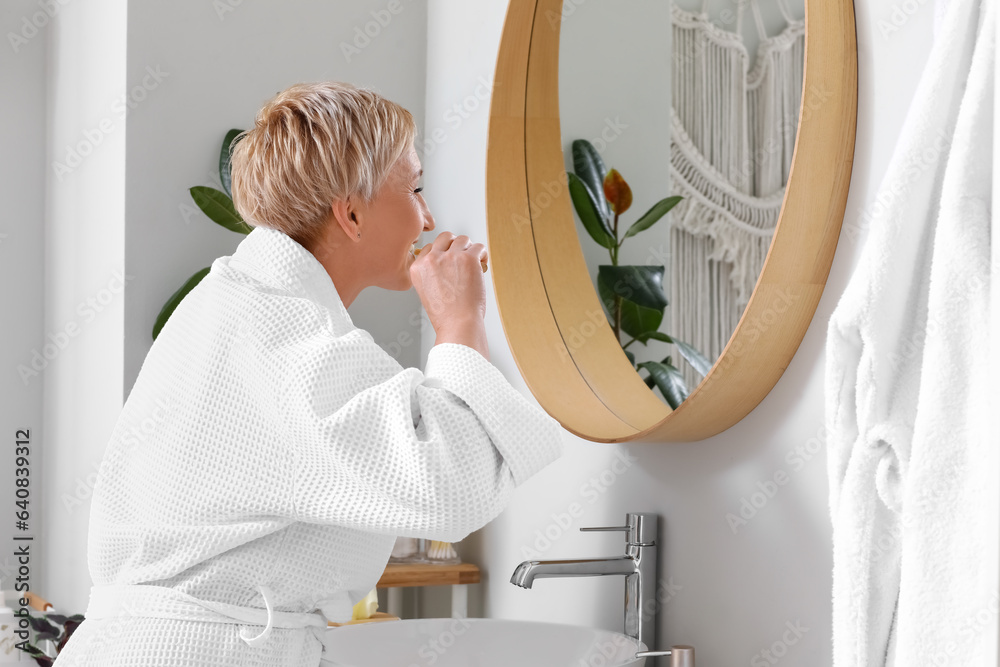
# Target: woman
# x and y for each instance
(288, 450)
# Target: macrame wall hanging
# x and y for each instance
(732, 135)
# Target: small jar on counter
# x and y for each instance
(409, 550)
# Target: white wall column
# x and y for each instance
(84, 279)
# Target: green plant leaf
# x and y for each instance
(586, 207)
(631, 357)
(46, 637)
(219, 208)
(650, 217)
(40, 625)
(642, 285)
(698, 361)
(225, 172)
(71, 625)
(639, 319)
(34, 651)
(589, 166)
(668, 379)
(636, 319)
(654, 335)
(175, 298)
(56, 618)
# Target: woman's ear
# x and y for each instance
(344, 214)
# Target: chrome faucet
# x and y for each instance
(638, 565)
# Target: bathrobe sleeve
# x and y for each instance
(433, 454)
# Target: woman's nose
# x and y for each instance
(428, 221)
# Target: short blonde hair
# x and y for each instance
(311, 144)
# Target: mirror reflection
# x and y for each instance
(678, 124)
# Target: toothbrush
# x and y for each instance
(441, 551)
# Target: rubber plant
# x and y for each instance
(218, 206)
(632, 295)
(55, 629)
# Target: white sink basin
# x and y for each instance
(477, 642)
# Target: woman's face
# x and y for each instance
(394, 221)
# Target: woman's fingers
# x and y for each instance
(445, 278)
(478, 248)
(459, 243)
(448, 242)
(445, 240)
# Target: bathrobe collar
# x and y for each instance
(276, 259)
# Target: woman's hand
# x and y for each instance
(448, 277)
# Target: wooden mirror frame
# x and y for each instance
(551, 315)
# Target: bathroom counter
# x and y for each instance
(405, 575)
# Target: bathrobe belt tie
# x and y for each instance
(147, 601)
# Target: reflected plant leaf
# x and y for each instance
(698, 361)
(587, 207)
(642, 285)
(589, 166)
(654, 335)
(617, 192)
(653, 215)
(636, 320)
(632, 296)
(668, 379)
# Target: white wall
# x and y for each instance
(736, 591)
(22, 135)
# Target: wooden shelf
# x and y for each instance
(398, 575)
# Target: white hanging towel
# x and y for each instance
(912, 462)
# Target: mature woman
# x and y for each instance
(288, 450)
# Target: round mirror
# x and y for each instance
(662, 213)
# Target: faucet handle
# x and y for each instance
(640, 529)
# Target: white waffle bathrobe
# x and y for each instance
(268, 455)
